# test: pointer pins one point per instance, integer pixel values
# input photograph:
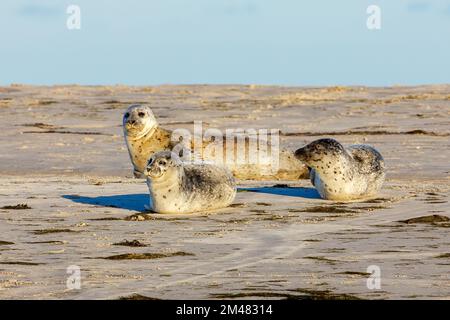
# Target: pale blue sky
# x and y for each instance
(286, 42)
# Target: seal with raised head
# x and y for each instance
(176, 187)
(144, 137)
(338, 173)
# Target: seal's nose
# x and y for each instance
(299, 153)
(131, 121)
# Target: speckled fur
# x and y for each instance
(145, 137)
(339, 173)
(185, 188)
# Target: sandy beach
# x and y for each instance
(68, 197)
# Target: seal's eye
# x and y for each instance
(141, 114)
(150, 161)
(127, 115)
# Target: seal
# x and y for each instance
(176, 187)
(144, 137)
(338, 173)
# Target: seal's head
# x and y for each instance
(138, 120)
(162, 165)
(319, 151)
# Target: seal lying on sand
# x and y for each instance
(339, 173)
(184, 188)
(144, 137)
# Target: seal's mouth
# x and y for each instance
(154, 172)
(138, 129)
(134, 127)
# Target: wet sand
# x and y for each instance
(63, 158)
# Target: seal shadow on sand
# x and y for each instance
(132, 202)
(139, 201)
(300, 192)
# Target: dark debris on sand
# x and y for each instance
(21, 263)
(136, 296)
(427, 219)
(48, 231)
(295, 294)
(139, 217)
(146, 256)
(328, 209)
(133, 243)
(21, 206)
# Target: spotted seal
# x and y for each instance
(176, 187)
(339, 173)
(144, 137)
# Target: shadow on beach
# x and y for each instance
(138, 202)
(309, 193)
(133, 202)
